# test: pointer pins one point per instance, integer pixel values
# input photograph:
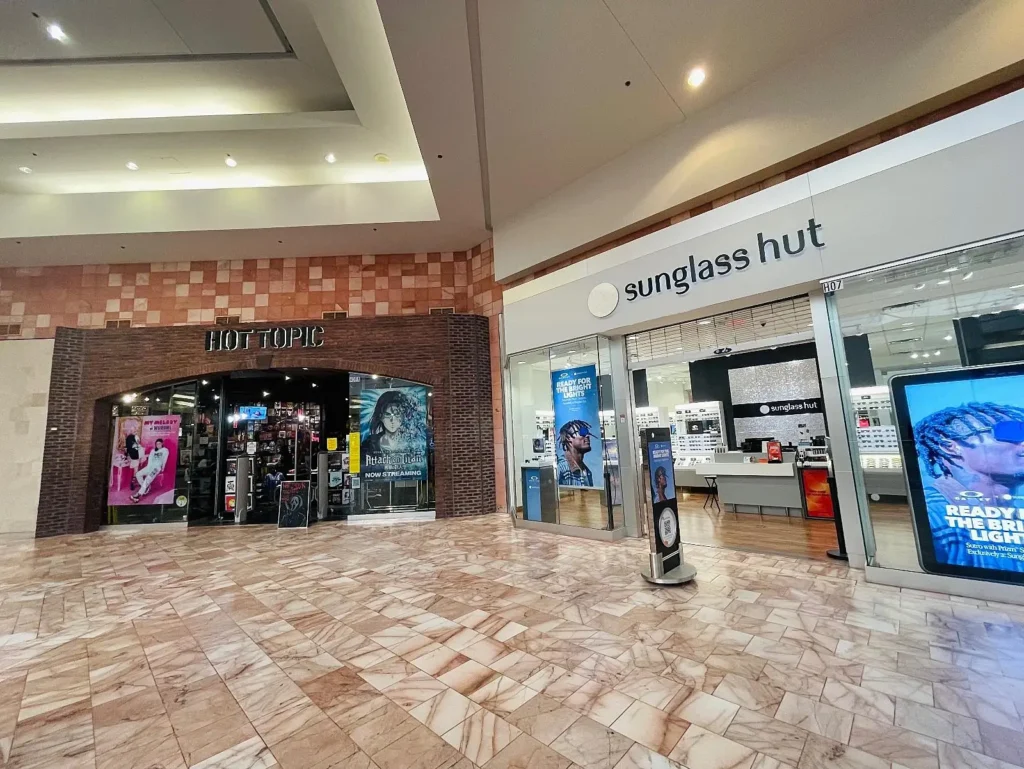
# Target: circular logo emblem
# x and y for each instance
(603, 300)
(181, 500)
(667, 529)
(764, 409)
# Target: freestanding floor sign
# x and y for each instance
(666, 557)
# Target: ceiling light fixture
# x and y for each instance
(927, 355)
(131, 165)
(951, 269)
(696, 77)
(948, 337)
(286, 377)
(968, 275)
(216, 397)
(919, 286)
(266, 394)
(25, 169)
(944, 282)
(914, 355)
(380, 157)
(937, 353)
(330, 158)
(1019, 306)
(1019, 285)
(314, 384)
(56, 33)
(703, 322)
(203, 381)
(230, 162)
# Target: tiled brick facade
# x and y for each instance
(448, 352)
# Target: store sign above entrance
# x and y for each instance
(276, 338)
(768, 250)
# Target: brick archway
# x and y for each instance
(448, 352)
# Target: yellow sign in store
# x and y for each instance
(332, 444)
(353, 453)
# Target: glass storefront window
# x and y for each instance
(565, 450)
(959, 309)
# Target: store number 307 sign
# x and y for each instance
(276, 338)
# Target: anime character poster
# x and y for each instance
(144, 461)
(577, 427)
(393, 434)
(967, 484)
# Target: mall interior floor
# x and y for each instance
(467, 643)
(702, 525)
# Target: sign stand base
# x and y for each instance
(680, 575)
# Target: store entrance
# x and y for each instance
(749, 438)
(351, 443)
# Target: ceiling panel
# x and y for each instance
(735, 41)
(555, 99)
(135, 28)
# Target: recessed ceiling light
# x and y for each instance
(968, 275)
(230, 162)
(696, 77)
(55, 32)
(703, 322)
(951, 269)
(908, 323)
(286, 377)
(25, 169)
(216, 397)
(927, 355)
(944, 282)
(203, 381)
(948, 337)
(919, 286)
(314, 384)
(914, 355)
(266, 394)
(937, 353)
(131, 165)
(330, 158)
(380, 157)
(1019, 285)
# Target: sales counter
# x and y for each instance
(755, 487)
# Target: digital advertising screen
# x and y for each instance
(962, 437)
(577, 427)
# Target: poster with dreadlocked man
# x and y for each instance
(577, 419)
(968, 437)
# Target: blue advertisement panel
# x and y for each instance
(657, 442)
(393, 434)
(531, 493)
(577, 427)
(962, 435)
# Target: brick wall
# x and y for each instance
(448, 352)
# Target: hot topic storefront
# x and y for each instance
(864, 321)
(271, 423)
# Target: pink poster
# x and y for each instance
(145, 461)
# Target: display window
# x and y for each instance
(564, 436)
(912, 341)
(226, 448)
(740, 394)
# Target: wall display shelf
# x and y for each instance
(698, 427)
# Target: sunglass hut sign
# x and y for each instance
(768, 250)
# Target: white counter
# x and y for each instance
(749, 469)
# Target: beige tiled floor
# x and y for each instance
(464, 643)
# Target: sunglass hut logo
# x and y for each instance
(769, 249)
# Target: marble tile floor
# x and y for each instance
(465, 643)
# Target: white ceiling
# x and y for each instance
(554, 75)
(175, 86)
(121, 28)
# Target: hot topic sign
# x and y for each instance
(276, 338)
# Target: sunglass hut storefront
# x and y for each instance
(335, 419)
(856, 314)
